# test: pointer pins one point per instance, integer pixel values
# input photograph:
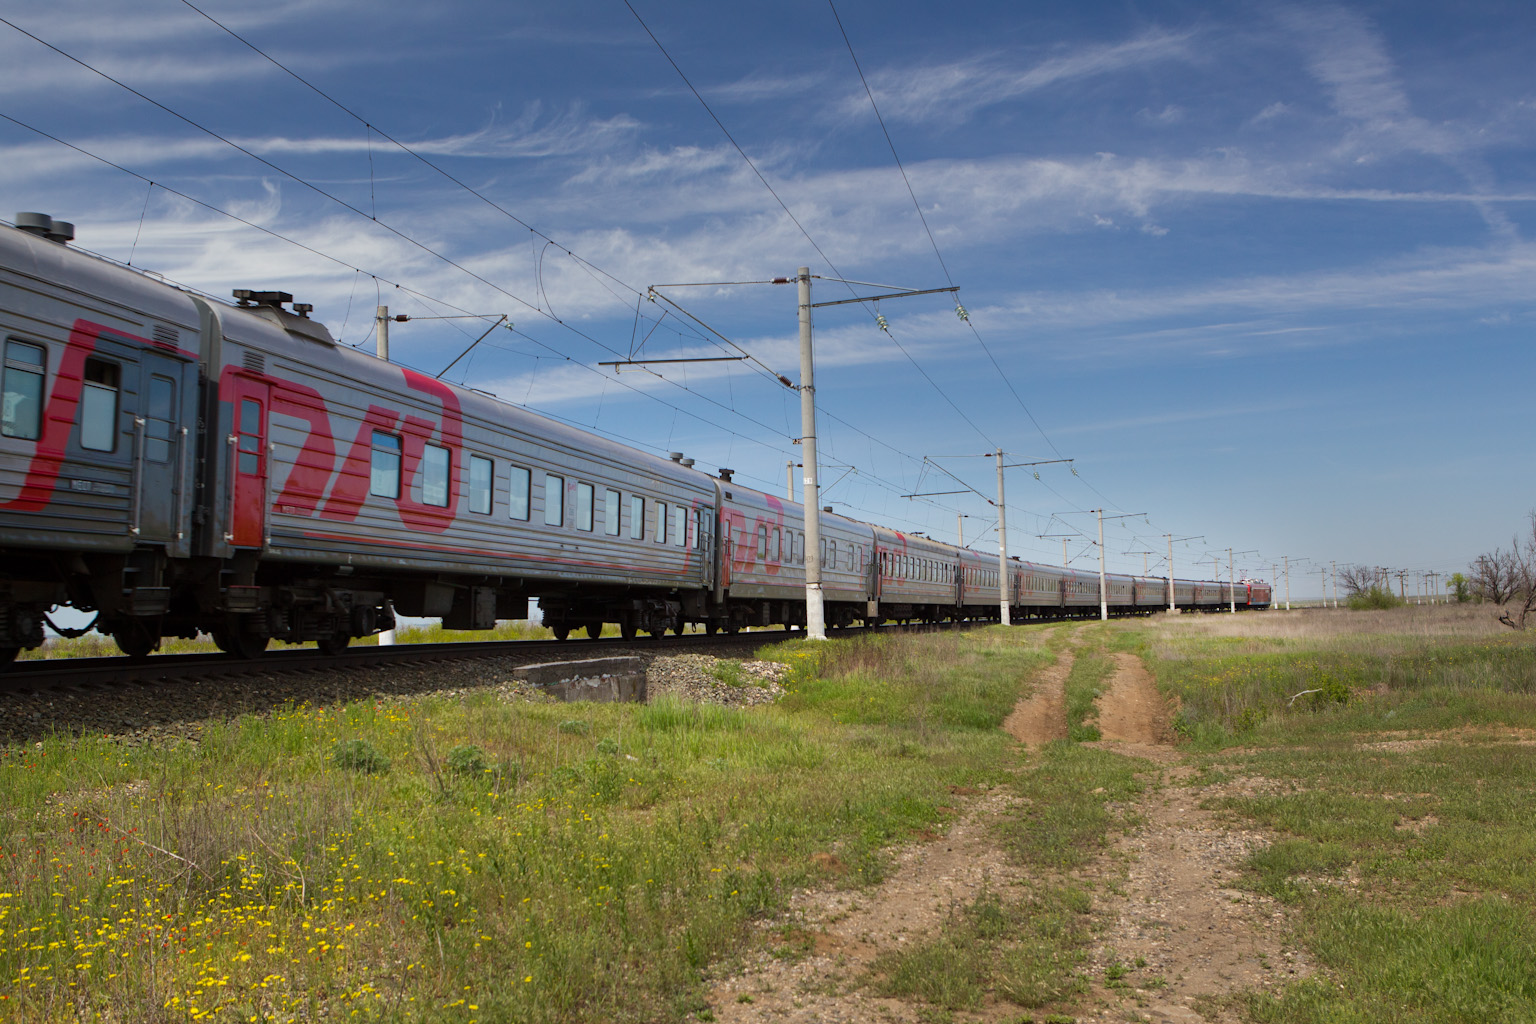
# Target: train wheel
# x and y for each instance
(627, 627)
(135, 642)
(335, 643)
(242, 643)
(594, 630)
(561, 631)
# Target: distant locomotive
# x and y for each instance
(180, 465)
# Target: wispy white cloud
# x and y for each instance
(953, 91)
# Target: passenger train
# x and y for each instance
(176, 464)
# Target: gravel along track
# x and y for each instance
(147, 712)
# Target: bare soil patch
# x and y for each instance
(1175, 933)
(1042, 716)
(1132, 711)
(847, 930)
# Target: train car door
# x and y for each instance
(160, 449)
(248, 462)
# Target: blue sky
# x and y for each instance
(1264, 271)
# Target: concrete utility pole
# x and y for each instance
(1274, 577)
(815, 603)
(815, 608)
(1231, 581)
(1103, 594)
(381, 341)
(959, 530)
(1333, 574)
(1002, 546)
(1172, 601)
(789, 479)
(1287, 560)
(1173, 605)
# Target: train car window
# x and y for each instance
(519, 484)
(636, 517)
(832, 556)
(384, 474)
(24, 368)
(701, 520)
(773, 544)
(98, 405)
(554, 500)
(436, 468)
(679, 526)
(823, 559)
(159, 415)
(762, 541)
(612, 504)
(481, 472)
(585, 495)
(661, 522)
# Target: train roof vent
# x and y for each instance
(255, 362)
(685, 463)
(725, 474)
(269, 306)
(46, 227)
(826, 508)
(675, 456)
(166, 335)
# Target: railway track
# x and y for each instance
(172, 697)
(33, 676)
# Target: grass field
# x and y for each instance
(480, 859)
(1396, 759)
(475, 858)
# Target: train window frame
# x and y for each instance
(159, 418)
(482, 484)
(436, 475)
(762, 541)
(384, 456)
(519, 493)
(637, 517)
(586, 506)
(613, 509)
(661, 522)
(554, 500)
(775, 544)
(23, 395)
(99, 397)
(679, 526)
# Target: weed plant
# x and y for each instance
(590, 875)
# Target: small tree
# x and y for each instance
(1359, 579)
(1509, 577)
(1460, 587)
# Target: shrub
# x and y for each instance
(359, 756)
(575, 726)
(469, 760)
(1374, 599)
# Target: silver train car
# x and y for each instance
(176, 464)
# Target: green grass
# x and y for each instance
(1400, 806)
(1085, 684)
(1026, 950)
(470, 858)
